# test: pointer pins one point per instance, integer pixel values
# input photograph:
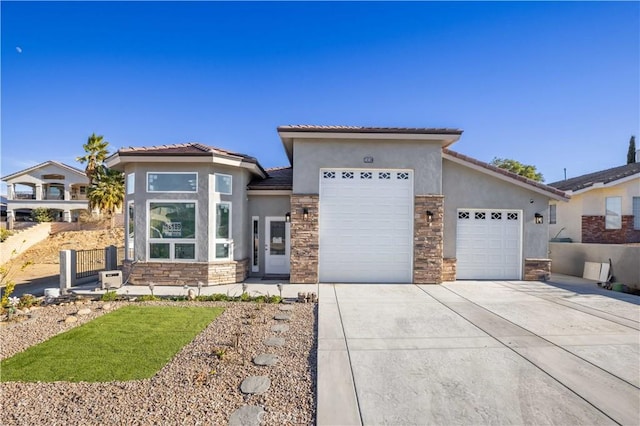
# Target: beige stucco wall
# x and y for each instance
(591, 203)
(424, 158)
(569, 258)
(464, 187)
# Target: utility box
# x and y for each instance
(110, 279)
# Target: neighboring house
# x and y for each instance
(51, 185)
(604, 207)
(357, 204)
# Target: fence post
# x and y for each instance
(67, 270)
(110, 258)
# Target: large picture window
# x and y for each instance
(172, 230)
(613, 214)
(223, 184)
(172, 182)
(223, 231)
(636, 212)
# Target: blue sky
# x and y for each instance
(550, 84)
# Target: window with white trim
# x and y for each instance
(223, 184)
(223, 242)
(131, 221)
(172, 182)
(131, 183)
(553, 211)
(172, 230)
(613, 213)
(636, 212)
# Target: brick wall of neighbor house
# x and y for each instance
(449, 269)
(304, 240)
(537, 269)
(427, 239)
(593, 231)
(179, 274)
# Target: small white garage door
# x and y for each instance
(488, 244)
(366, 226)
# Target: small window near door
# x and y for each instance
(636, 212)
(552, 214)
(613, 213)
(255, 265)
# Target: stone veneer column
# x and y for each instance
(304, 239)
(537, 269)
(427, 239)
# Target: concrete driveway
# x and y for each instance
(477, 353)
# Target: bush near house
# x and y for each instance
(4, 234)
(42, 214)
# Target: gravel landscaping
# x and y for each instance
(200, 386)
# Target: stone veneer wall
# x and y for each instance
(304, 239)
(449, 269)
(537, 269)
(594, 231)
(427, 239)
(179, 273)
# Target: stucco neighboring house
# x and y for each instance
(604, 207)
(356, 204)
(51, 185)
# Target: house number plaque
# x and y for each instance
(368, 160)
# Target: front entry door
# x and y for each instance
(276, 246)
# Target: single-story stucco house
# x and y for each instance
(356, 204)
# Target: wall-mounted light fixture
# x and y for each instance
(429, 217)
(538, 218)
(305, 214)
(287, 217)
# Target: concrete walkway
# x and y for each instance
(477, 352)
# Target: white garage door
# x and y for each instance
(366, 226)
(488, 244)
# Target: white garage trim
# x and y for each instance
(489, 244)
(366, 225)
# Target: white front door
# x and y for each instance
(277, 247)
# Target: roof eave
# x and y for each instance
(601, 185)
(536, 187)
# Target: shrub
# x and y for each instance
(109, 296)
(4, 234)
(148, 298)
(274, 299)
(27, 301)
(42, 214)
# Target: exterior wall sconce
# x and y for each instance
(305, 214)
(429, 217)
(287, 217)
(539, 219)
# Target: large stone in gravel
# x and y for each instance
(280, 328)
(286, 308)
(274, 341)
(70, 319)
(255, 384)
(247, 415)
(283, 317)
(265, 359)
(85, 311)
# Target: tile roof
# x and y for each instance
(182, 149)
(546, 188)
(604, 176)
(277, 178)
(361, 129)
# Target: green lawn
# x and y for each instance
(131, 343)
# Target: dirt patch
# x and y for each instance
(45, 256)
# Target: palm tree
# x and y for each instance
(106, 193)
(96, 152)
